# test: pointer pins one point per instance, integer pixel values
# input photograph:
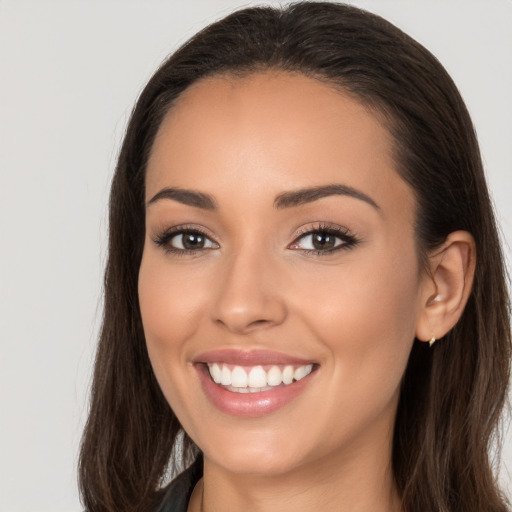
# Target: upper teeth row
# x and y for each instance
(256, 377)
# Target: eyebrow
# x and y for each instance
(308, 195)
(285, 200)
(188, 197)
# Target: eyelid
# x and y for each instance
(348, 239)
(164, 236)
(178, 228)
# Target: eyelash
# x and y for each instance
(348, 240)
(163, 240)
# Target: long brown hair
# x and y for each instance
(452, 395)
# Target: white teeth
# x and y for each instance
(238, 377)
(288, 375)
(215, 373)
(302, 371)
(256, 379)
(225, 378)
(274, 376)
(248, 389)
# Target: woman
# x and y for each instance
(305, 295)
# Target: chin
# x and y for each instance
(257, 452)
(254, 463)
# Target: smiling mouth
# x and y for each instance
(253, 383)
(256, 379)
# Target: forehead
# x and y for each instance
(274, 129)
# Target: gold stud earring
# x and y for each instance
(431, 341)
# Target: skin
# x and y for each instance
(355, 311)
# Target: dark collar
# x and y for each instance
(177, 495)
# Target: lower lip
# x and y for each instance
(249, 404)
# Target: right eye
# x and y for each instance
(185, 241)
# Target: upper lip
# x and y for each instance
(242, 357)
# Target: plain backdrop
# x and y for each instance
(70, 72)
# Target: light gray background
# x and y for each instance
(69, 73)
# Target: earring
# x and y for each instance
(432, 341)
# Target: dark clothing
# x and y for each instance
(178, 493)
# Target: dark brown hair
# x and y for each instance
(453, 394)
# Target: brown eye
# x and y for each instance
(323, 241)
(185, 241)
(189, 241)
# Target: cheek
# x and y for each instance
(170, 304)
(364, 313)
(376, 296)
(170, 301)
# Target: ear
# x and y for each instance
(446, 286)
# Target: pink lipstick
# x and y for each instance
(252, 383)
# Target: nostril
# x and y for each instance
(259, 322)
(242, 326)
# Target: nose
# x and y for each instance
(249, 296)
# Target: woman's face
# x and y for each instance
(279, 247)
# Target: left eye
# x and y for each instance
(322, 241)
(190, 241)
